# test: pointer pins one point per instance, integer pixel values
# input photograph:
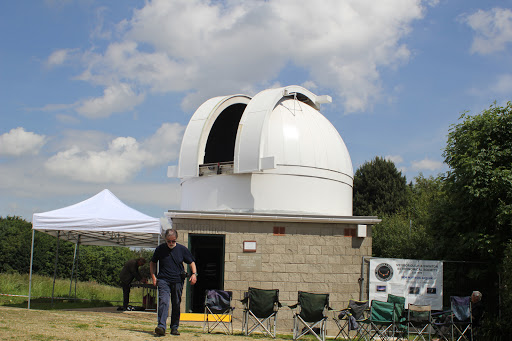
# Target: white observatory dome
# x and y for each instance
(274, 153)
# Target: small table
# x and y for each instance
(148, 295)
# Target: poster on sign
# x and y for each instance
(419, 281)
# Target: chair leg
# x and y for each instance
(244, 322)
(341, 324)
(266, 325)
(219, 320)
(295, 327)
(308, 328)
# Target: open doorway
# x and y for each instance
(208, 251)
(220, 146)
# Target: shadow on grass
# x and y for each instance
(58, 304)
(145, 332)
(198, 331)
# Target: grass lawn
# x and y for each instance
(89, 294)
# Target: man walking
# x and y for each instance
(170, 279)
(130, 271)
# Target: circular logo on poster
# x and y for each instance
(384, 272)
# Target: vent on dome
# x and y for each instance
(220, 146)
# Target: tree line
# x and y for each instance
(463, 216)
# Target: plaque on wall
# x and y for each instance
(248, 262)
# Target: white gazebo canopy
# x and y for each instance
(100, 220)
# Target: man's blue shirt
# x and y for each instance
(170, 269)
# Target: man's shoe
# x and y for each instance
(159, 331)
(175, 332)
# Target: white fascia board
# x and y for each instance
(272, 217)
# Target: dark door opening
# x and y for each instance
(208, 251)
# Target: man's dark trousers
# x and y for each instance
(169, 291)
(126, 295)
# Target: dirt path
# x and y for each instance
(24, 324)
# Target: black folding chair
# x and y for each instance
(218, 311)
(349, 319)
(260, 311)
(441, 323)
(311, 315)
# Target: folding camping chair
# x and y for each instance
(311, 315)
(418, 322)
(350, 318)
(260, 311)
(383, 323)
(218, 311)
(441, 323)
(462, 321)
(400, 326)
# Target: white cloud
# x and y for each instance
(493, 30)
(116, 98)
(503, 84)
(211, 48)
(116, 164)
(165, 143)
(55, 107)
(498, 88)
(20, 142)
(309, 85)
(67, 119)
(27, 189)
(59, 57)
(91, 140)
(395, 158)
(99, 29)
(121, 161)
(164, 195)
(427, 164)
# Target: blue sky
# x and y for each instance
(96, 94)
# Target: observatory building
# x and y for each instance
(266, 200)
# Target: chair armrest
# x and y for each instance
(341, 314)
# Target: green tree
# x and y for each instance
(102, 263)
(15, 244)
(507, 283)
(479, 182)
(474, 221)
(379, 188)
(406, 233)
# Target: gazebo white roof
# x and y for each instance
(100, 220)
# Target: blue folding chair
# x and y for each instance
(218, 311)
(462, 321)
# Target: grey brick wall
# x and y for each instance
(309, 257)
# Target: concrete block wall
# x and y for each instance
(310, 257)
